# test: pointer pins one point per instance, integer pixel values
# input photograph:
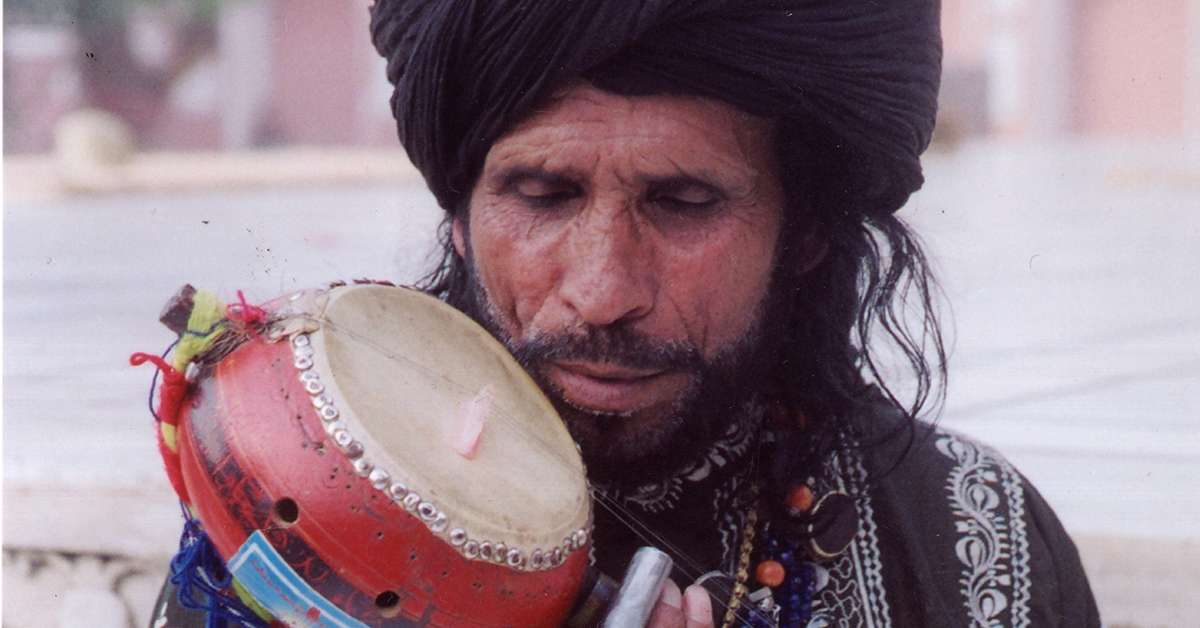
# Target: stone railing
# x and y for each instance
(83, 556)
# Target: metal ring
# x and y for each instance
(379, 478)
(362, 467)
(341, 437)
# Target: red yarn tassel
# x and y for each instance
(249, 318)
(170, 402)
(170, 394)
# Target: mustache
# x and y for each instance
(619, 346)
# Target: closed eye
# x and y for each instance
(684, 195)
(541, 189)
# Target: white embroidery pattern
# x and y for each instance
(855, 595)
(994, 551)
(1014, 492)
(731, 520)
(661, 495)
(656, 496)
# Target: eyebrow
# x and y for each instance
(511, 176)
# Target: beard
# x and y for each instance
(644, 445)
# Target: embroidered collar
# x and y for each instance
(696, 514)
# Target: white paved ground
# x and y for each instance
(1072, 273)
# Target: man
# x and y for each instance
(678, 215)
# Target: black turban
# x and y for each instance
(862, 74)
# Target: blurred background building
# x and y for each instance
(232, 74)
(249, 144)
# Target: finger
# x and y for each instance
(668, 612)
(697, 607)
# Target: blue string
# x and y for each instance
(197, 569)
(154, 381)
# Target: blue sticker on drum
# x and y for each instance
(272, 583)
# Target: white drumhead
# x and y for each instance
(403, 369)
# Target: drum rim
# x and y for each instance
(357, 444)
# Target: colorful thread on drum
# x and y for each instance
(249, 318)
(166, 416)
(197, 568)
(204, 324)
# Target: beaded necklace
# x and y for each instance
(793, 596)
(785, 600)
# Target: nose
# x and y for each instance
(607, 271)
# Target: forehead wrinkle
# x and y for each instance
(553, 140)
(533, 158)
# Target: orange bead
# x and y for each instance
(799, 499)
(769, 573)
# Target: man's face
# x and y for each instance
(623, 249)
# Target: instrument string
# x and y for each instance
(687, 564)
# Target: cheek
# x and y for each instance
(514, 266)
(717, 284)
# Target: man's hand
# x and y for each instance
(691, 609)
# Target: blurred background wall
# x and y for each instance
(224, 74)
(248, 144)
(231, 74)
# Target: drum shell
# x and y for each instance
(250, 438)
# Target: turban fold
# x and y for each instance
(862, 74)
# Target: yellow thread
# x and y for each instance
(743, 571)
(207, 311)
(250, 602)
(168, 434)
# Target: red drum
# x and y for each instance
(376, 458)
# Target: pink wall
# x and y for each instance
(1130, 67)
(320, 70)
(964, 32)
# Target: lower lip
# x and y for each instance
(617, 396)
